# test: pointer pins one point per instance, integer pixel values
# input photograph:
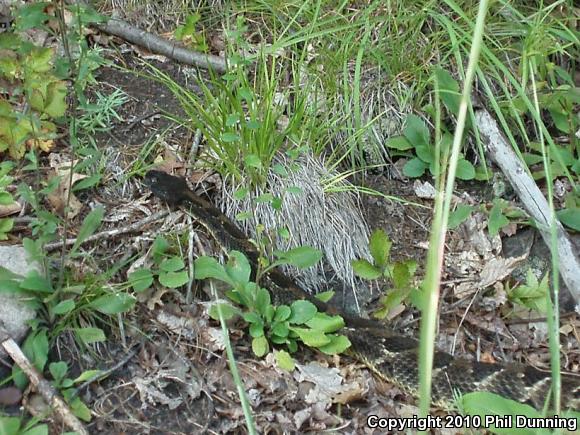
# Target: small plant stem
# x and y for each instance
(439, 228)
(553, 309)
(246, 408)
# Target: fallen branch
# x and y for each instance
(158, 45)
(42, 386)
(110, 233)
(534, 202)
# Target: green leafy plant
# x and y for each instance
(6, 198)
(416, 137)
(190, 34)
(400, 274)
(246, 116)
(487, 405)
(532, 294)
(168, 269)
(66, 386)
(17, 426)
(36, 96)
(268, 323)
(570, 215)
(99, 116)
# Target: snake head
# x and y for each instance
(166, 187)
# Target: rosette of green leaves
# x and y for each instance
(270, 324)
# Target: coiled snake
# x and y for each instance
(388, 355)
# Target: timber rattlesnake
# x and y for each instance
(390, 356)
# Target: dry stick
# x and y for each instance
(43, 387)
(158, 45)
(109, 233)
(534, 202)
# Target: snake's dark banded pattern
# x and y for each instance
(388, 355)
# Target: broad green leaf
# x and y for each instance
(415, 131)
(172, 264)
(87, 183)
(32, 16)
(64, 307)
(159, 247)
(245, 215)
(459, 215)
(6, 226)
(489, 404)
(399, 143)
(252, 317)
(80, 409)
(55, 104)
(365, 270)
(113, 303)
(465, 170)
(281, 329)
(208, 267)
(263, 300)
(301, 257)
(140, 279)
(325, 296)
(390, 301)
(282, 313)
(230, 137)
(89, 226)
(260, 346)
(295, 190)
(311, 337)
(238, 267)
(403, 272)
(35, 282)
(284, 360)
(284, 233)
(325, 323)
(277, 203)
(263, 198)
(6, 198)
(253, 161)
(280, 170)
(338, 344)
(173, 279)
(425, 153)
(40, 429)
(256, 330)
(449, 90)
(228, 311)
(86, 375)
(302, 311)
(58, 370)
(9, 425)
(241, 193)
(415, 168)
(380, 247)
(496, 220)
(570, 217)
(232, 119)
(90, 335)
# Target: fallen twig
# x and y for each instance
(109, 233)
(42, 386)
(158, 45)
(534, 202)
(105, 373)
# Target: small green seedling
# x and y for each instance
(400, 274)
(532, 294)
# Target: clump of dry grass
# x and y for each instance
(329, 221)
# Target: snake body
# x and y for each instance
(390, 356)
